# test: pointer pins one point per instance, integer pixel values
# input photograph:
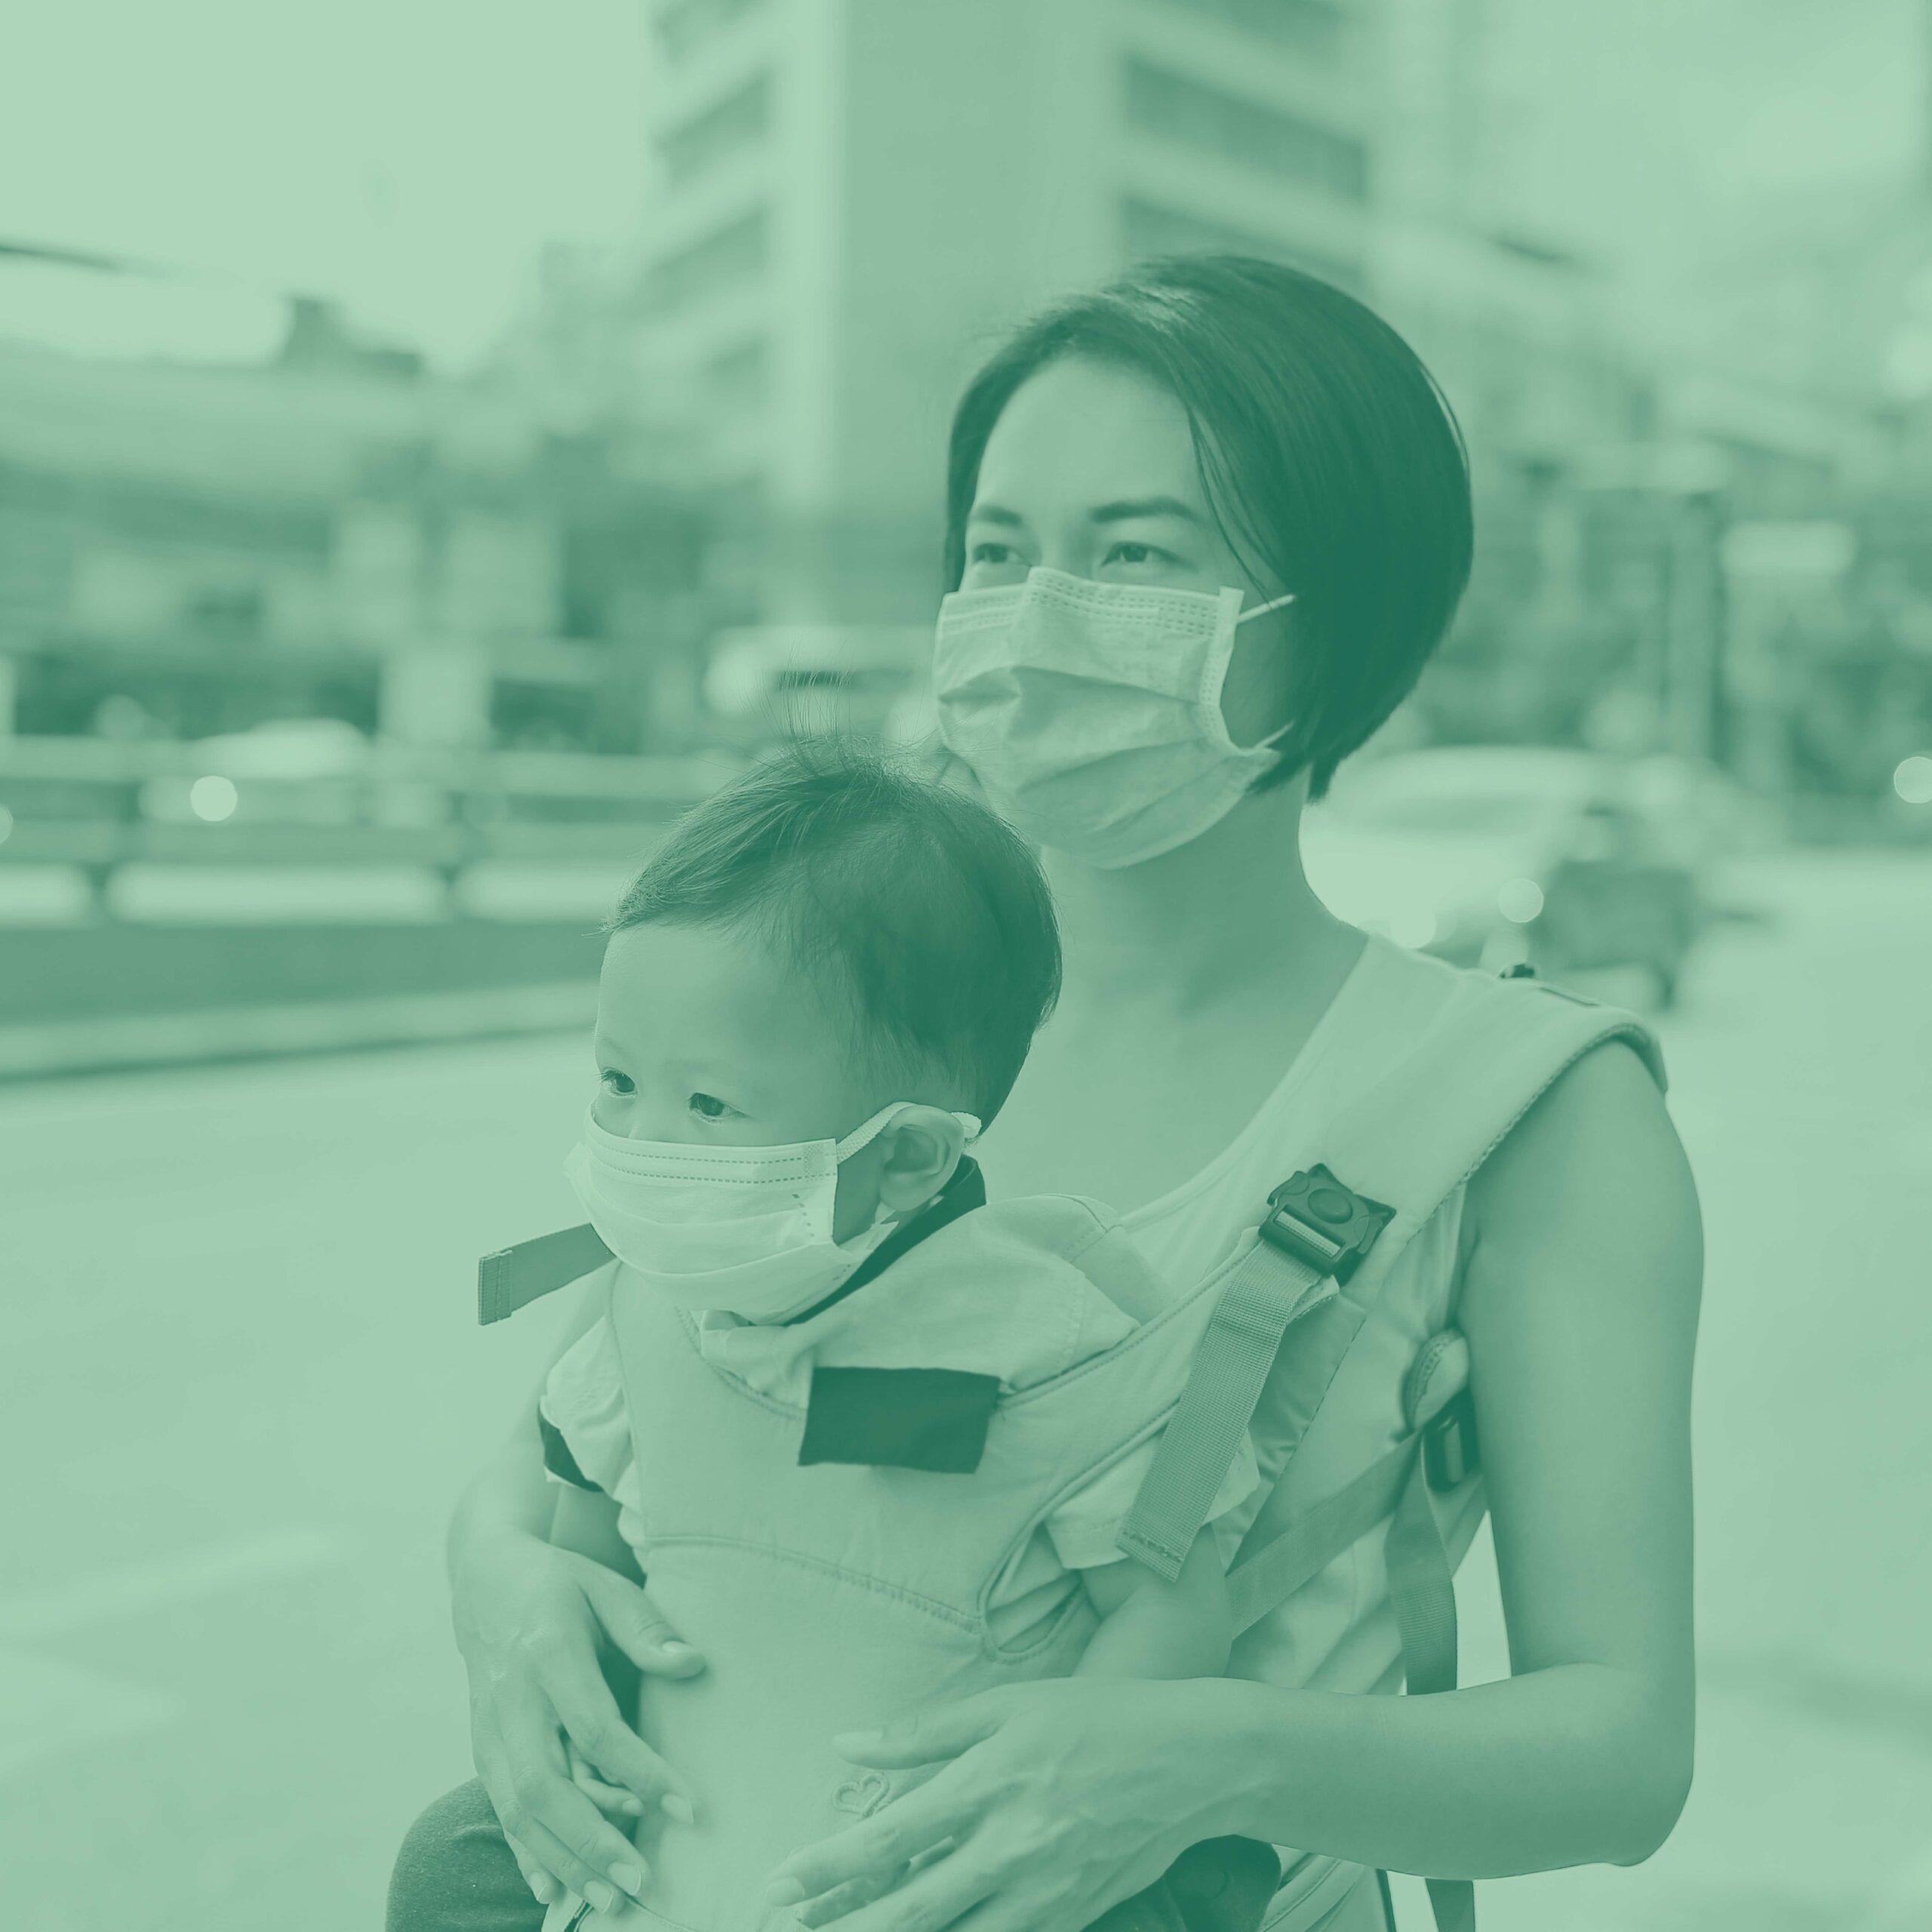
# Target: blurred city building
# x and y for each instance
(186, 550)
(857, 197)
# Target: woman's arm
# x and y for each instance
(1580, 1301)
(530, 1621)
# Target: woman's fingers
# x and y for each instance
(523, 1768)
(904, 1831)
(636, 1626)
(926, 1735)
(854, 1892)
(543, 1887)
(931, 1899)
(607, 1799)
(596, 1728)
(619, 1756)
(587, 1855)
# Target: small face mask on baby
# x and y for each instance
(748, 1230)
(1090, 713)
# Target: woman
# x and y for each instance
(1209, 423)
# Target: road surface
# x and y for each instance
(242, 1383)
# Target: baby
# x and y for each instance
(871, 1437)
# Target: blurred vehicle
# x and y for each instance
(764, 682)
(1572, 862)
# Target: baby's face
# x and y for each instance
(703, 1035)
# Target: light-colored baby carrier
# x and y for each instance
(831, 1595)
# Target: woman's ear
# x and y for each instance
(922, 1150)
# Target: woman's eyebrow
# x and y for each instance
(1122, 510)
(1128, 508)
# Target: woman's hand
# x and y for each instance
(528, 1619)
(1061, 1798)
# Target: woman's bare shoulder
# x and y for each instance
(1593, 1172)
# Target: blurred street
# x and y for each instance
(241, 1328)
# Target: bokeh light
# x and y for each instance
(1520, 901)
(1912, 781)
(213, 798)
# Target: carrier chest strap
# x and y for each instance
(513, 1278)
(1315, 1234)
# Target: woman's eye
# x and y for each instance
(1131, 554)
(994, 556)
(616, 1082)
(708, 1106)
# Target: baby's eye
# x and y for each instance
(708, 1106)
(616, 1082)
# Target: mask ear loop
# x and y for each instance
(870, 1130)
(1262, 609)
(1242, 617)
(867, 1130)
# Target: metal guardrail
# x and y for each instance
(84, 802)
(666, 780)
(109, 843)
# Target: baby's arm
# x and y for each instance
(585, 1520)
(583, 1517)
(1152, 1628)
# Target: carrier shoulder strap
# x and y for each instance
(1317, 1264)
(1330, 1235)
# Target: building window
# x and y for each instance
(715, 134)
(1180, 108)
(1147, 229)
(1310, 26)
(721, 260)
(684, 25)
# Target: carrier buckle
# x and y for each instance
(1449, 1442)
(1313, 1218)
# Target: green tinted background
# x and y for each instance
(438, 441)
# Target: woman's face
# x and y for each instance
(1090, 469)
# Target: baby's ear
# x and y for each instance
(923, 1149)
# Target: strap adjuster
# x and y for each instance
(1313, 1218)
(1449, 1442)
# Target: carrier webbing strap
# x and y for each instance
(1266, 1294)
(1422, 1590)
(1256, 1583)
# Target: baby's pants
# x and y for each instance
(455, 1874)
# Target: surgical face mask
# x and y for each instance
(1091, 712)
(748, 1230)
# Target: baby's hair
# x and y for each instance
(914, 910)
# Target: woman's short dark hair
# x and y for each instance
(918, 914)
(1330, 458)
